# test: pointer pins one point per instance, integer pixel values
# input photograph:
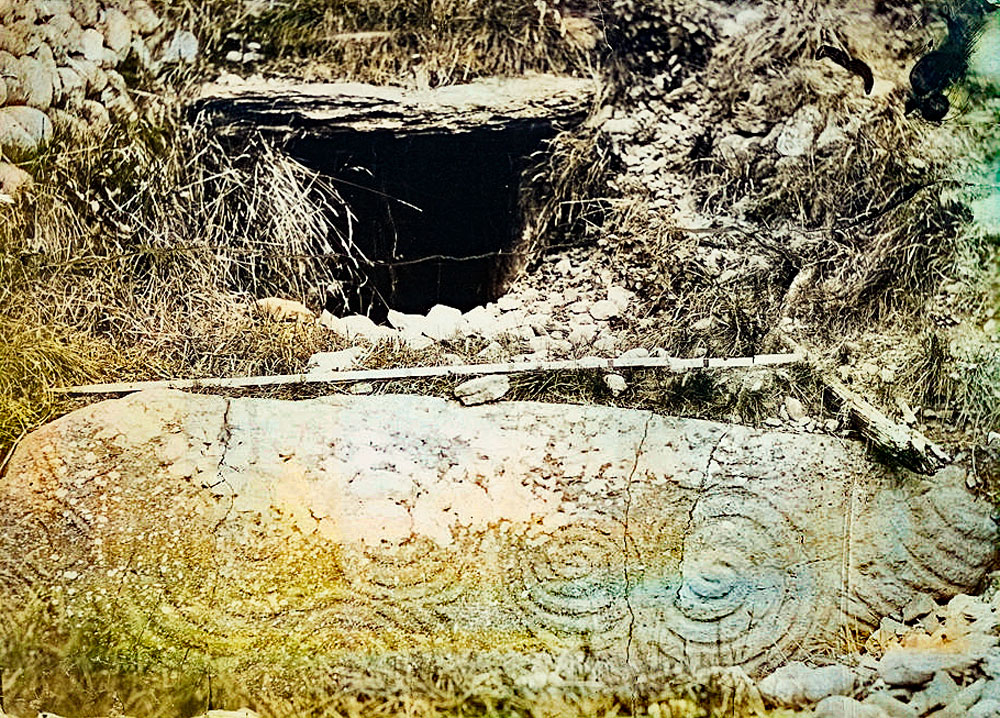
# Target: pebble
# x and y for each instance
(796, 412)
(14, 180)
(343, 360)
(582, 334)
(797, 685)
(363, 387)
(509, 302)
(616, 383)
(443, 322)
(605, 344)
(636, 353)
(985, 709)
(183, 47)
(939, 692)
(491, 352)
(482, 390)
(919, 607)
(604, 309)
(913, 667)
(892, 707)
(845, 707)
(620, 297)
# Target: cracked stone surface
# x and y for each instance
(346, 526)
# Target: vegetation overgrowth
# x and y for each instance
(432, 42)
(138, 253)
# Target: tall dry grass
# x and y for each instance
(139, 253)
(435, 42)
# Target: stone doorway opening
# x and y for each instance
(432, 178)
(437, 213)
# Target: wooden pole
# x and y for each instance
(339, 377)
(905, 445)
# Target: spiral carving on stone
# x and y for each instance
(417, 584)
(745, 587)
(572, 585)
(930, 527)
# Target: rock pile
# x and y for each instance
(576, 315)
(62, 64)
(927, 660)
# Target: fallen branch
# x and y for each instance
(339, 377)
(905, 445)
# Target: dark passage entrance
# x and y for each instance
(436, 212)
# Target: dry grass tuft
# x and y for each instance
(139, 254)
(428, 42)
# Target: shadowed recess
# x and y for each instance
(436, 213)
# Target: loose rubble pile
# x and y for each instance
(577, 314)
(930, 660)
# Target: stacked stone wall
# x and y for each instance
(64, 63)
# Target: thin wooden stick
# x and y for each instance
(338, 377)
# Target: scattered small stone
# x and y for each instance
(283, 310)
(968, 696)
(620, 297)
(939, 692)
(239, 713)
(13, 180)
(605, 344)
(909, 417)
(796, 412)
(616, 383)
(579, 307)
(343, 360)
(919, 607)
(403, 321)
(985, 709)
(796, 685)
(969, 607)
(451, 359)
(914, 666)
(359, 326)
(509, 302)
(481, 322)
(773, 422)
(25, 129)
(582, 334)
(703, 324)
(604, 309)
(183, 47)
(363, 387)
(892, 627)
(846, 707)
(415, 340)
(482, 390)
(892, 707)
(564, 266)
(443, 322)
(491, 352)
(636, 353)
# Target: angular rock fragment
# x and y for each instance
(483, 390)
